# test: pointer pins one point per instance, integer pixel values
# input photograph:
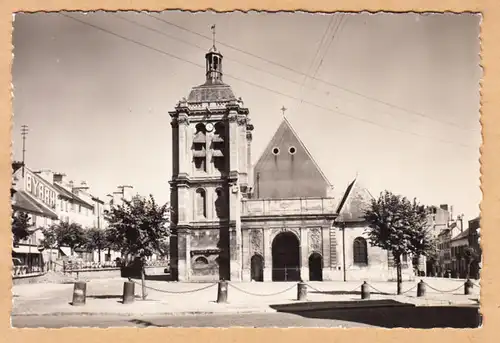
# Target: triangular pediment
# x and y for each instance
(286, 169)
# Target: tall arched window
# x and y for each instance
(201, 203)
(360, 251)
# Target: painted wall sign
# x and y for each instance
(36, 187)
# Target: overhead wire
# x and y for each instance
(320, 45)
(160, 51)
(328, 83)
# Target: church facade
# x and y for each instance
(276, 221)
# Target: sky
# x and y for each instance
(390, 98)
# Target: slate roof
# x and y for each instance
(211, 92)
(354, 202)
(285, 174)
(69, 195)
(461, 235)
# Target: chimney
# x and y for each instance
(59, 178)
(46, 174)
(16, 165)
(83, 186)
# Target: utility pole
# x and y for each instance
(24, 133)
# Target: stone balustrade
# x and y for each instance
(298, 206)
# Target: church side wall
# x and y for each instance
(378, 262)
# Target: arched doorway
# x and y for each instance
(286, 257)
(257, 268)
(315, 267)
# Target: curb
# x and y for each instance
(130, 314)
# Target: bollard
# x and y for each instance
(468, 286)
(421, 289)
(301, 291)
(79, 293)
(128, 292)
(222, 292)
(365, 291)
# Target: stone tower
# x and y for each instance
(211, 141)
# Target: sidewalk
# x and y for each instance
(172, 298)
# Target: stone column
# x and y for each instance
(304, 254)
(268, 257)
(184, 153)
(183, 208)
(188, 256)
(249, 158)
(181, 260)
(233, 141)
(235, 233)
(246, 255)
(242, 149)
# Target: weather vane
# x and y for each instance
(213, 35)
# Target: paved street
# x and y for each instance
(416, 317)
(104, 297)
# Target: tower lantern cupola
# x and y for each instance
(214, 63)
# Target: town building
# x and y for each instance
(457, 246)
(278, 221)
(38, 198)
(444, 246)
(475, 243)
(50, 198)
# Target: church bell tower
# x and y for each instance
(211, 174)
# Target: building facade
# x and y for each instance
(38, 198)
(278, 221)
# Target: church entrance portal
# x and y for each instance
(257, 268)
(286, 257)
(315, 267)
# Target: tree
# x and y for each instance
(470, 255)
(398, 225)
(21, 223)
(138, 228)
(96, 239)
(67, 234)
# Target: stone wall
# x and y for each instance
(378, 260)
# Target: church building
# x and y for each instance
(276, 221)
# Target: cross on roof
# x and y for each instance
(283, 109)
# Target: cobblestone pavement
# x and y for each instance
(415, 317)
(104, 296)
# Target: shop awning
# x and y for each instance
(25, 249)
(25, 203)
(65, 250)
